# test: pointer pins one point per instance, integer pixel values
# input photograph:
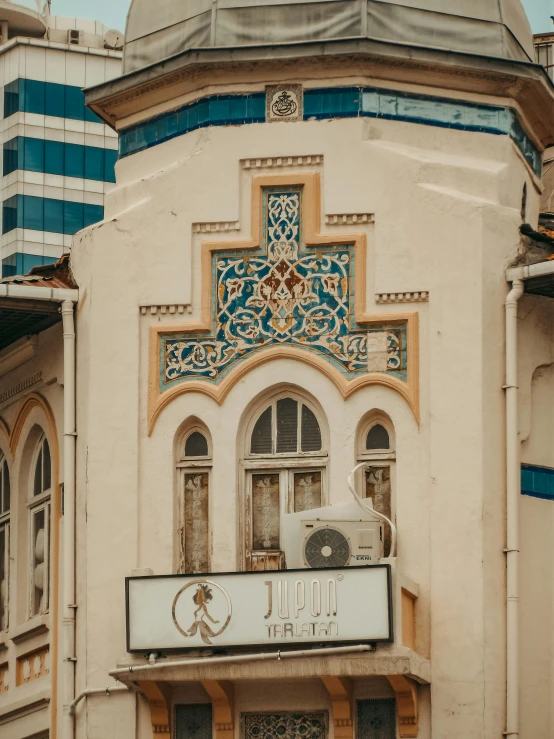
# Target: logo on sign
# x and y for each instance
(202, 607)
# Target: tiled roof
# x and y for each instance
(23, 315)
(57, 274)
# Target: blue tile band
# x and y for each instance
(341, 102)
(537, 482)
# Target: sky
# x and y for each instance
(113, 12)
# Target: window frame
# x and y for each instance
(36, 504)
(6, 528)
(380, 458)
(193, 465)
(283, 464)
(301, 400)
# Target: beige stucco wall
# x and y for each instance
(447, 212)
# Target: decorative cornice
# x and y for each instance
(349, 219)
(416, 297)
(296, 161)
(21, 387)
(191, 71)
(222, 226)
(175, 308)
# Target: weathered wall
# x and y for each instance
(447, 212)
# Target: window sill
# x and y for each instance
(33, 627)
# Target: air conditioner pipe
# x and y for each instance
(367, 509)
(513, 489)
(260, 657)
(96, 691)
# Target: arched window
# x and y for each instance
(285, 466)
(194, 465)
(377, 439)
(376, 447)
(4, 542)
(39, 509)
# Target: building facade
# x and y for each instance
(58, 157)
(321, 267)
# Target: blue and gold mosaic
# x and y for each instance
(284, 294)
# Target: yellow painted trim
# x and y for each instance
(34, 400)
(405, 690)
(222, 696)
(4, 429)
(159, 712)
(310, 181)
(408, 620)
(340, 692)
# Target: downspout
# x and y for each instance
(68, 297)
(68, 564)
(513, 484)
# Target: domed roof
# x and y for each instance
(158, 29)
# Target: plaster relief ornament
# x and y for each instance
(202, 608)
(284, 103)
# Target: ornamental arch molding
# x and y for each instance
(287, 291)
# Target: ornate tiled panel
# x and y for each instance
(285, 725)
(284, 294)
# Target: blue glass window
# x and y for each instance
(54, 157)
(74, 160)
(94, 163)
(10, 213)
(50, 98)
(33, 96)
(73, 219)
(33, 213)
(54, 99)
(53, 215)
(110, 158)
(92, 214)
(22, 264)
(74, 103)
(11, 149)
(11, 98)
(47, 214)
(33, 158)
(9, 266)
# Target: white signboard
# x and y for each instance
(175, 613)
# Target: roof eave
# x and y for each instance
(526, 82)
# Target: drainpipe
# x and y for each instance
(68, 564)
(68, 297)
(513, 485)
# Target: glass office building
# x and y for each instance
(58, 158)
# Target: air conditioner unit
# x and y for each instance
(335, 536)
(74, 36)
